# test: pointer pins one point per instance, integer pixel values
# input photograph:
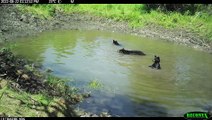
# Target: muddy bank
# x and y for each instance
(14, 23)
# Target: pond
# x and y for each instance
(128, 86)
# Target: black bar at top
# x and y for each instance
(100, 1)
(132, 1)
(123, 1)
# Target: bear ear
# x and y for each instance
(155, 56)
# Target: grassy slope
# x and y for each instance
(19, 104)
(200, 23)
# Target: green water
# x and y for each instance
(129, 86)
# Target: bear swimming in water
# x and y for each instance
(156, 63)
(134, 52)
(116, 42)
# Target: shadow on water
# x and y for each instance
(122, 105)
(150, 109)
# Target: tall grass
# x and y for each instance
(136, 15)
(61, 85)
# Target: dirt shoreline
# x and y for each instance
(14, 23)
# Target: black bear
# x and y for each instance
(116, 42)
(134, 52)
(156, 63)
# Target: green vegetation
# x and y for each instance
(193, 18)
(21, 103)
(61, 85)
(95, 84)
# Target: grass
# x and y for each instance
(20, 103)
(60, 85)
(135, 14)
(7, 46)
(94, 84)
